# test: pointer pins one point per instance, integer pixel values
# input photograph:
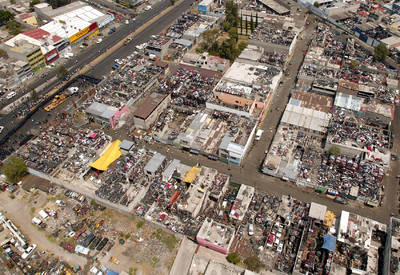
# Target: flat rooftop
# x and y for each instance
(242, 202)
(275, 6)
(65, 27)
(310, 119)
(216, 233)
(251, 74)
(313, 101)
(149, 105)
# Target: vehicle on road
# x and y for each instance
(340, 200)
(259, 134)
(251, 229)
(57, 100)
(11, 95)
(1, 129)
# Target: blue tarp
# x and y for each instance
(112, 272)
(329, 242)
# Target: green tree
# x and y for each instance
(334, 150)
(14, 28)
(253, 263)
(226, 26)
(233, 33)
(316, 4)
(3, 53)
(14, 169)
(231, 13)
(34, 95)
(58, 3)
(210, 36)
(34, 2)
(380, 52)
(241, 23)
(12, 2)
(233, 258)
(5, 17)
(172, 2)
(242, 45)
(251, 23)
(62, 72)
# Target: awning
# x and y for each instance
(113, 153)
(191, 174)
(329, 242)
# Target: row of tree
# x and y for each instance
(227, 48)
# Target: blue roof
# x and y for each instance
(112, 272)
(329, 242)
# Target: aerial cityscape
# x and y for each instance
(209, 137)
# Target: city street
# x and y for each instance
(249, 172)
(104, 67)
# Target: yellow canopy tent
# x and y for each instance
(191, 174)
(112, 154)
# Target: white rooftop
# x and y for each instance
(22, 37)
(244, 73)
(306, 118)
(65, 27)
(86, 13)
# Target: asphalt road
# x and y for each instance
(87, 55)
(104, 67)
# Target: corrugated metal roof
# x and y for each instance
(154, 163)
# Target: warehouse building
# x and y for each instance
(148, 112)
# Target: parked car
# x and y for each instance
(251, 229)
(28, 251)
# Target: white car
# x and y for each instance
(280, 247)
(251, 229)
(1, 129)
(11, 95)
(28, 251)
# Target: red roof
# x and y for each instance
(40, 34)
(24, 15)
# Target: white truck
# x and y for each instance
(36, 221)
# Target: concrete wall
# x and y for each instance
(202, 71)
(211, 246)
(212, 106)
(345, 150)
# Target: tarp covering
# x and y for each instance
(329, 242)
(191, 174)
(329, 218)
(113, 153)
(112, 272)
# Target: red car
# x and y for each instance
(69, 247)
